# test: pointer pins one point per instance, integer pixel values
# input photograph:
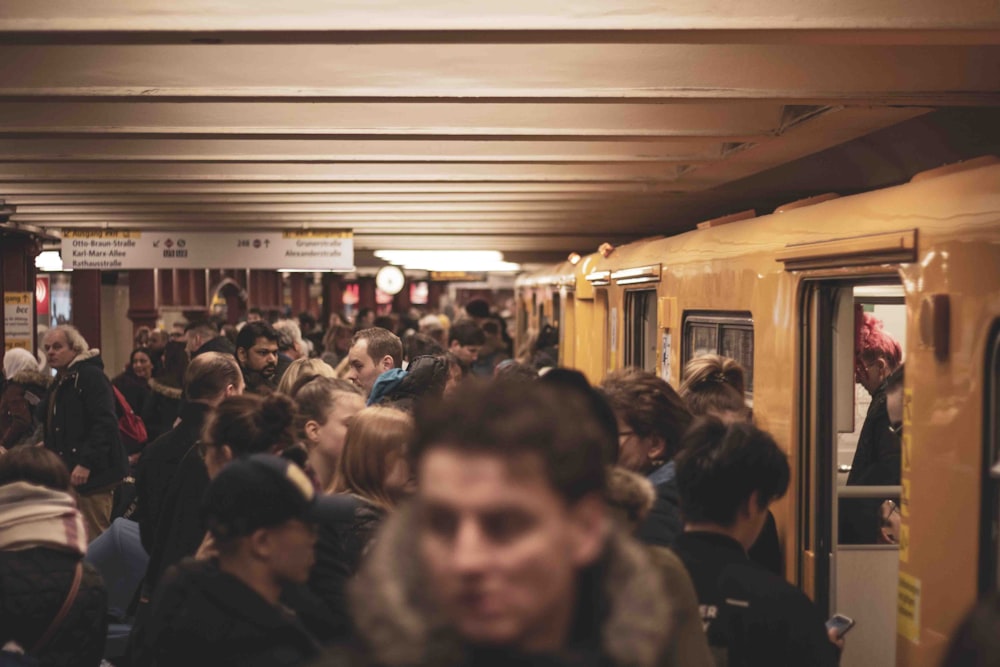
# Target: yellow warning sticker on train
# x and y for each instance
(904, 498)
(907, 446)
(908, 608)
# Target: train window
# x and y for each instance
(728, 334)
(640, 329)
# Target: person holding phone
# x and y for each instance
(728, 476)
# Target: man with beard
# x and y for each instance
(257, 353)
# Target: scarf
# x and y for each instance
(37, 516)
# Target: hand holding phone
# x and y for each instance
(840, 624)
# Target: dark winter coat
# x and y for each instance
(21, 397)
(752, 616)
(180, 527)
(161, 408)
(628, 612)
(81, 424)
(876, 463)
(33, 586)
(203, 616)
(341, 542)
(135, 389)
(876, 445)
(664, 523)
(157, 465)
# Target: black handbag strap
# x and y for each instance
(67, 603)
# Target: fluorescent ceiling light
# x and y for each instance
(49, 260)
(449, 260)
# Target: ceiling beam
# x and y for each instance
(956, 75)
(556, 122)
(66, 18)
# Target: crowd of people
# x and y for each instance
(398, 493)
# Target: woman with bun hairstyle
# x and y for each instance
(324, 408)
(713, 385)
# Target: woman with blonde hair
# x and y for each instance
(299, 369)
(373, 475)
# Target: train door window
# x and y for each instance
(989, 575)
(556, 309)
(728, 334)
(640, 329)
(851, 528)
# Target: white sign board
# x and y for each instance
(18, 325)
(314, 250)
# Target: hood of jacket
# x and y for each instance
(91, 356)
(401, 624)
(165, 389)
(32, 377)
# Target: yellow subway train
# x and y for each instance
(780, 293)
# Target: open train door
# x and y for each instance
(849, 572)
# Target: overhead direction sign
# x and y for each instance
(311, 250)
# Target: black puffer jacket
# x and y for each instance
(81, 425)
(33, 586)
(342, 541)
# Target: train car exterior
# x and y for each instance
(779, 293)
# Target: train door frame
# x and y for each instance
(989, 531)
(822, 367)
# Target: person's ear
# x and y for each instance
(241, 356)
(387, 363)
(261, 543)
(658, 449)
(311, 430)
(589, 527)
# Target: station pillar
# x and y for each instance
(366, 292)
(434, 293)
(85, 295)
(18, 250)
(142, 308)
(333, 296)
(401, 301)
(299, 286)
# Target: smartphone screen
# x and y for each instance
(840, 623)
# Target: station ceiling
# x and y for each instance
(531, 127)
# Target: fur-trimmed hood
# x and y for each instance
(32, 377)
(165, 389)
(87, 355)
(398, 621)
